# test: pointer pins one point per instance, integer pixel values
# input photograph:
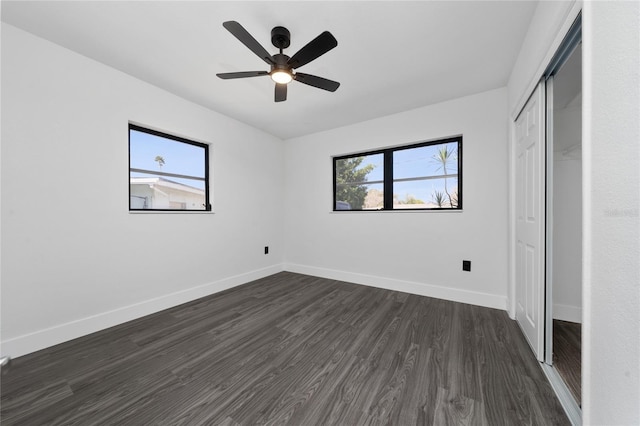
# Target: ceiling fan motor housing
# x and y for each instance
(280, 63)
(280, 37)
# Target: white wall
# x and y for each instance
(611, 152)
(567, 214)
(420, 252)
(74, 260)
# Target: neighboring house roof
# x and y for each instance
(165, 183)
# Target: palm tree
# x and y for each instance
(438, 198)
(159, 160)
(442, 157)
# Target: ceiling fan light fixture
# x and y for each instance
(281, 77)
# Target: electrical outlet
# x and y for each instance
(466, 265)
(266, 249)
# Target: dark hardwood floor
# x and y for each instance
(567, 356)
(290, 349)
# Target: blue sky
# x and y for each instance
(180, 158)
(412, 163)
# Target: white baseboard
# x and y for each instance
(421, 289)
(42, 339)
(567, 313)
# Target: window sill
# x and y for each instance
(396, 211)
(170, 212)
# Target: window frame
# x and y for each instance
(178, 139)
(387, 179)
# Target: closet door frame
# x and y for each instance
(548, 338)
(570, 43)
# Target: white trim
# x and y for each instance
(419, 288)
(587, 210)
(42, 339)
(171, 212)
(549, 309)
(511, 284)
(571, 408)
(567, 313)
(419, 211)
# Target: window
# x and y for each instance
(422, 176)
(167, 173)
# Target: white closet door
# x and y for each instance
(530, 220)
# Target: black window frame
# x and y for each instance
(388, 175)
(207, 203)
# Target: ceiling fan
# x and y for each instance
(282, 66)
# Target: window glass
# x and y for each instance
(426, 176)
(166, 172)
(423, 176)
(358, 184)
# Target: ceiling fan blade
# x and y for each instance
(319, 82)
(243, 74)
(314, 49)
(281, 92)
(247, 39)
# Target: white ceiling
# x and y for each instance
(392, 56)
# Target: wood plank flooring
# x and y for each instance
(290, 349)
(567, 356)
